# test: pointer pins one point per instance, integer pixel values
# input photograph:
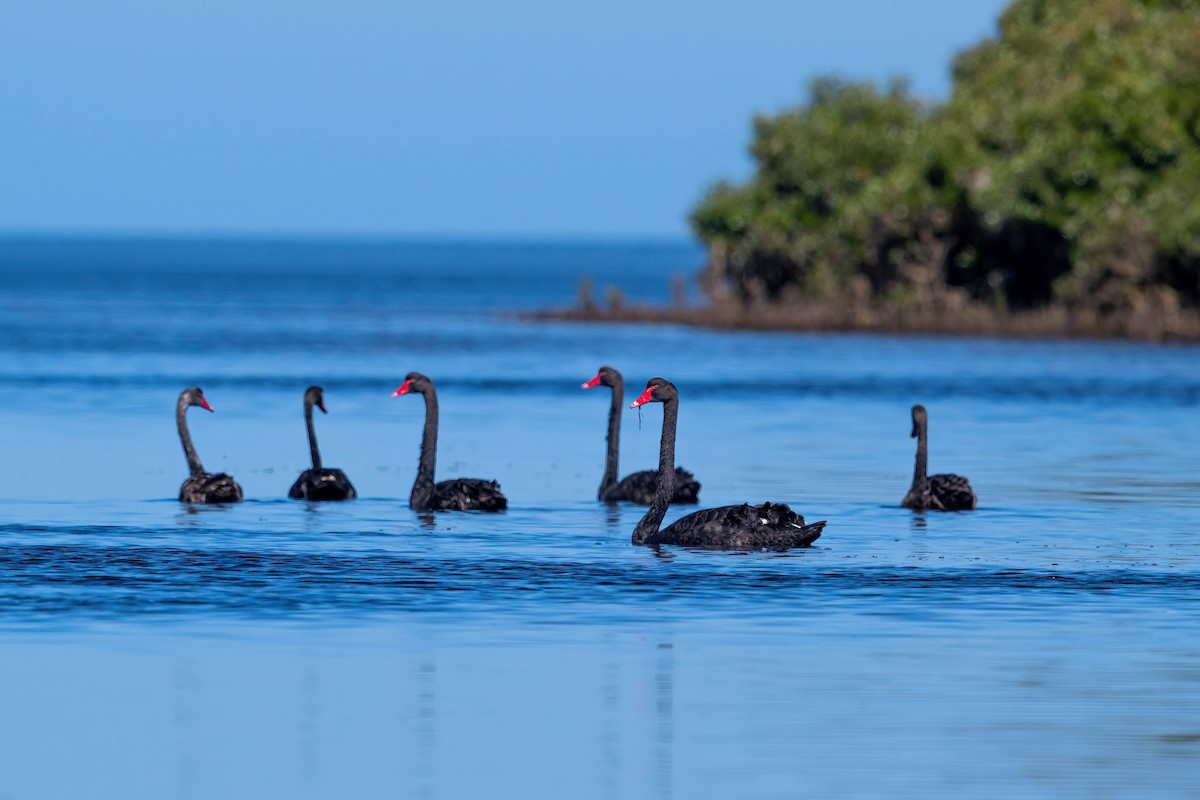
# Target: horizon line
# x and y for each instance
(381, 237)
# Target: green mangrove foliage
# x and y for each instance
(1063, 169)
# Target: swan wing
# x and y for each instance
(468, 494)
(639, 487)
(951, 493)
(767, 526)
(322, 484)
(208, 488)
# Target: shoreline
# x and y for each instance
(1148, 325)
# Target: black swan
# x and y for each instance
(319, 483)
(456, 494)
(201, 487)
(934, 492)
(770, 526)
(639, 486)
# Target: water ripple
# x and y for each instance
(110, 581)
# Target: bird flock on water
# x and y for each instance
(765, 526)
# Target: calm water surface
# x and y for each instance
(1043, 646)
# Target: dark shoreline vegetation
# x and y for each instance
(1053, 193)
(827, 316)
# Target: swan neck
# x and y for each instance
(665, 486)
(185, 438)
(423, 485)
(613, 441)
(920, 467)
(312, 434)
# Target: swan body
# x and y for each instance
(319, 483)
(637, 487)
(200, 486)
(934, 492)
(941, 493)
(457, 494)
(322, 484)
(463, 494)
(767, 526)
(209, 488)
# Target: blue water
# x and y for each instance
(1043, 646)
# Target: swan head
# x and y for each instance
(607, 376)
(414, 382)
(193, 396)
(658, 390)
(920, 419)
(315, 396)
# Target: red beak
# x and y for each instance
(592, 383)
(204, 404)
(644, 398)
(402, 390)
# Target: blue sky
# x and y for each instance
(386, 117)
